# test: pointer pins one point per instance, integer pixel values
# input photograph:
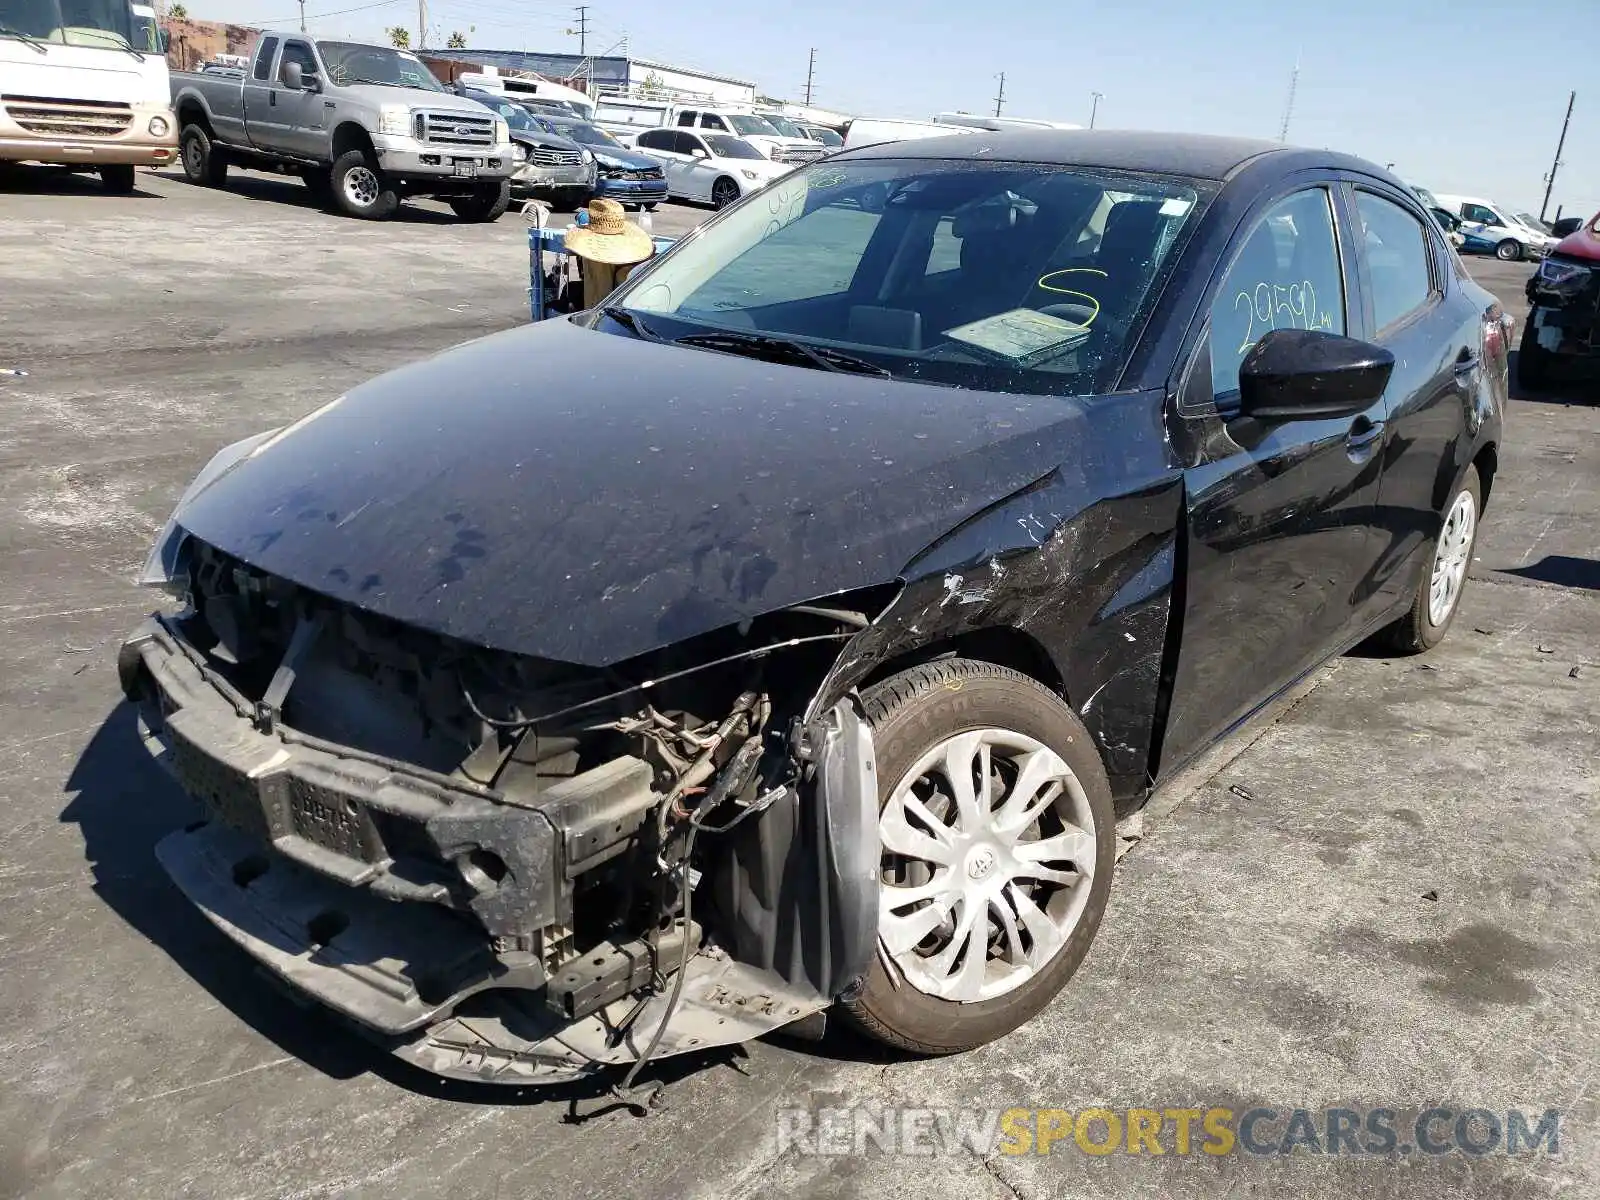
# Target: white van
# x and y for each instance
(626, 119)
(1490, 228)
(873, 131)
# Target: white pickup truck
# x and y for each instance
(364, 126)
(83, 84)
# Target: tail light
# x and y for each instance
(1496, 330)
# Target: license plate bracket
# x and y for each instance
(466, 170)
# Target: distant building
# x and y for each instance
(612, 74)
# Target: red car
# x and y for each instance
(1564, 306)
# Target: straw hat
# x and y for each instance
(609, 237)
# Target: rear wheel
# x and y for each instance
(1439, 594)
(997, 832)
(360, 190)
(117, 179)
(1509, 250)
(488, 203)
(724, 192)
(1533, 360)
(204, 162)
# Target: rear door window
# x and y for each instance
(1399, 266)
(264, 53)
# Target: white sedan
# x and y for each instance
(713, 167)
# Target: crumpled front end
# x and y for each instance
(502, 866)
(1564, 304)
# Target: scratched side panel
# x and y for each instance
(1081, 562)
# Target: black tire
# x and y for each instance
(652, 207)
(1509, 250)
(913, 712)
(319, 182)
(488, 203)
(204, 162)
(360, 188)
(117, 179)
(724, 192)
(1533, 360)
(571, 200)
(1417, 632)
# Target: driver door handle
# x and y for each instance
(1363, 436)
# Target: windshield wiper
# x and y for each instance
(7, 31)
(625, 318)
(776, 349)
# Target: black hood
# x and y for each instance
(579, 495)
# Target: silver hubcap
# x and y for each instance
(989, 853)
(361, 186)
(1451, 558)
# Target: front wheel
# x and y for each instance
(997, 831)
(204, 162)
(1509, 250)
(117, 179)
(1439, 594)
(486, 204)
(652, 207)
(724, 192)
(360, 190)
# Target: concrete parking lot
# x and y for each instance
(1387, 897)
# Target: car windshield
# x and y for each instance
(999, 276)
(1426, 197)
(745, 123)
(350, 63)
(724, 146)
(95, 24)
(1533, 222)
(826, 136)
(582, 131)
(516, 116)
(783, 125)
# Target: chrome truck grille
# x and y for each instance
(67, 118)
(555, 158)
(454, 129)
(794, 154)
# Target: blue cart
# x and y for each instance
(542, 241)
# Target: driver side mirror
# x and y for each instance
(1307, 375)
(292, 78)
(699, 152)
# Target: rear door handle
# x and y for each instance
(272, 99)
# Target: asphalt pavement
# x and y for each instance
(1384, 898)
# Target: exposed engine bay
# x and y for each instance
(510, 869)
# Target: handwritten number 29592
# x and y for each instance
(1279, 306)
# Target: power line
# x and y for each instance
(583, 31)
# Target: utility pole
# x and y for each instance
(999, 101)
(1288, 108)
(811, 70)
(302, 16)
(422, 22)
(1550, 179)
(1094, 105)
(583, 31)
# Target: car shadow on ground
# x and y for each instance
(123, 804)
(1569, 385)
(289, 189)
(1562, 570)
(60, 181)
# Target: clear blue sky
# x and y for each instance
(1432, 87)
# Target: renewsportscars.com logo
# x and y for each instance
(1261, 1131)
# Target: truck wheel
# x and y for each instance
(1439, 594)
(997, 830)
(203, 162)
(1533, 360)
(117, 179)
(485, 204)
(1509, 250)
(359, 188)
(319, 182)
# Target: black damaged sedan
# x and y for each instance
(788, 634)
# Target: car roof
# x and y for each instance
(1194, 155)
